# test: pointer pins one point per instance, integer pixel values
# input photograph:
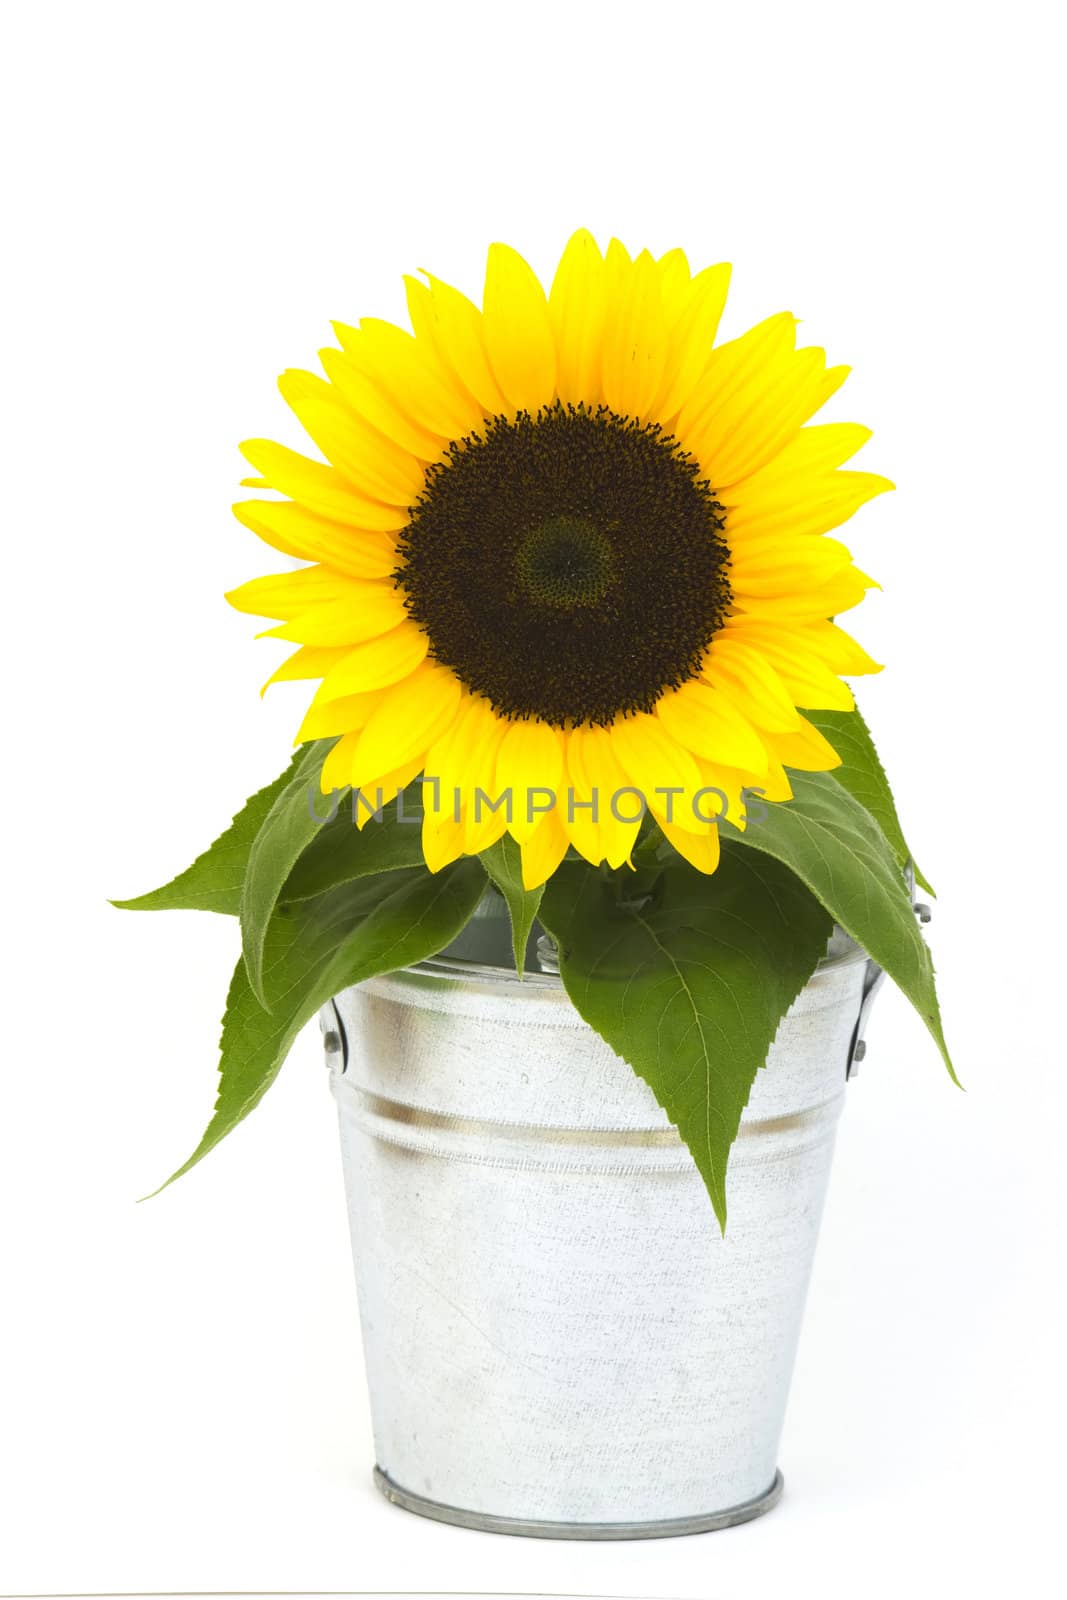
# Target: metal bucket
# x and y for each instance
(558, 1341)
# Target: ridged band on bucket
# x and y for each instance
(558, 1340)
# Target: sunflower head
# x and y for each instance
(569, 557)
(568, 566)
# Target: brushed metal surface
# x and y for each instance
(554, 1330)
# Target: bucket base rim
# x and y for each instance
(535, 1528)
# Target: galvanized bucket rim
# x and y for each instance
(453, 968)
(488, 963)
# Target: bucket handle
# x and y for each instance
(872, 982)
(334, 1041)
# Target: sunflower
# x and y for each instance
(568, 557)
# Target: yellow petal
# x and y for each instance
(410, 373)
(307, 662)
(410, 716)
(762, 416)
(518, 334)
(325, 719)
(284, 593)
(370, 798)
(804, 674)
(337, 768)
(834, 646)
(831, 381)
(655, 760)
(424, 326)
(826, 640)
(583, 829)
(585, 798)
(730, 368)
(776, 785)
(806, 750)
(606, 819)
(635, 342)
(460, 338)
(377, 663)
(673, 272)
(463, 757)
(530, 759)
(779, 564)
(617, 269)
(484, 825)
(373, 464)
(320, 488)
(361, 611)
(691, 340)
(749, 681)
(371, 402)
(543, 851)
(810, 457)
(701, 850)
(298, 532)
(576, 307)
(442, 840)
(706, 722)
(841, 593)
(805, 505)
(723, 792)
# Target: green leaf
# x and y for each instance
(503, 862)
(213, 882)
(834, 845)
(689, 983)
(290, 826)
(341, 853)
(315, 949)
(862, 774)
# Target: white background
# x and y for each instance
(193, 192)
